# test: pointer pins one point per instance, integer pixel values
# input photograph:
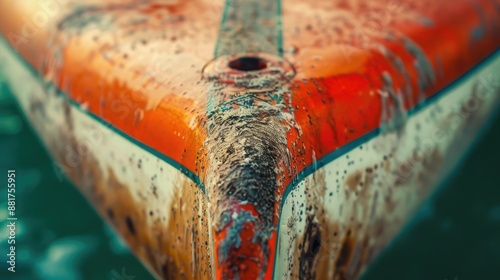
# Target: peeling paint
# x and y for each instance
(246, 150)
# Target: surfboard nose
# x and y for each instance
(247, 157)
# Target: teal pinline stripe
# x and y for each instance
(250, 26)
(308, 170)
(279, 23)
(218, 45)
(188, 173)
(227, 4)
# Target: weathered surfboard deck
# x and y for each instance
(254, 139)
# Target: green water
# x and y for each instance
(59, 236)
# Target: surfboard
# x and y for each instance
(254, 139)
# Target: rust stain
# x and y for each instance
(353, 181)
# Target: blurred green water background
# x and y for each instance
(59, 236)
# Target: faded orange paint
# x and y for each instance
(334, 84)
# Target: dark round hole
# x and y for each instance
(248, 63)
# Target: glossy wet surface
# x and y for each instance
(60, 237)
